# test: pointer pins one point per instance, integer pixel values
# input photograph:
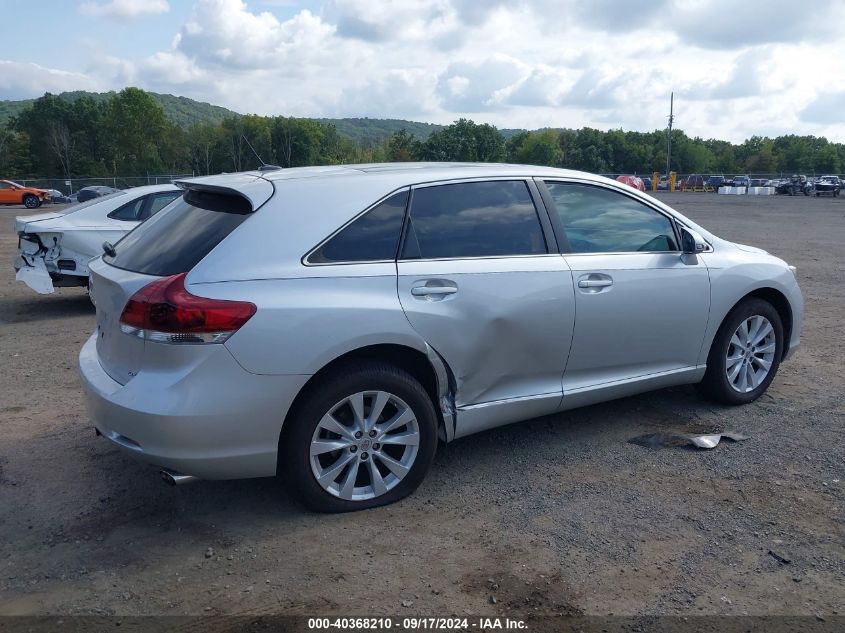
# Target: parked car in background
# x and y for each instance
(647, 182)
(741, 181)
(14, 193)
(663, 184)
(794, 185)
(329, 324)
(694, 182)
(57, 197)
(54, 248)
(757, 182)
(94, 191)
(828, 185)
(714, 182)
(632, 181)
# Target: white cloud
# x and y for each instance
(723, 24)
(827, 107)
(400, 94)
(479, 86)
(22, 78)
(124, 8)
(226, 33)
(736, 69)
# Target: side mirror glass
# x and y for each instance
(691, 242)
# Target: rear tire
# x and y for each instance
(740, 368)
(370, 464)
(31, 202)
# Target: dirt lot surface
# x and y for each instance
(557, 515)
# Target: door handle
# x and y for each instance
(424, 291)
(594, 283)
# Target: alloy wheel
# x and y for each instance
(751, 352)
(364, 445)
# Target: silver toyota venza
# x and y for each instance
(331, 324)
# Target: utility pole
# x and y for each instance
(669, 142)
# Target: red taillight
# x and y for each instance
(164, 311)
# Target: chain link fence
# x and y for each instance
(71, 186)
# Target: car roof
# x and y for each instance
(422, 172)
(258, 186)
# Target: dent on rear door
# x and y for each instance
(505, 332)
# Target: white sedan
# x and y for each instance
(54, 248)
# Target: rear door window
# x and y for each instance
(372, 237)
(175, 240)
(473, 219)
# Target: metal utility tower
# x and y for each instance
(669, 141)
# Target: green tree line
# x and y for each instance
(129, 134)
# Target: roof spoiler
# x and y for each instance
(247, 186)
(215, 197)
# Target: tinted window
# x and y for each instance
(474, 219)
(598, 220)
(176, 239)
(131, 211)
(159, 201)
(372, 237)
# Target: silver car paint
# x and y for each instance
(735, 272)
(200, 413)
(309, 322)
(651, 319)
(217, 410)
(507, 329)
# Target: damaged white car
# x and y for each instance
(54, 248)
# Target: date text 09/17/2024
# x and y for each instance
(417, 623)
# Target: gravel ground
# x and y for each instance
(556, 515)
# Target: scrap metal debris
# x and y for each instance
(35, 276)
(711, 440)
(780, 559)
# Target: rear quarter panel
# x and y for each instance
(303, 324)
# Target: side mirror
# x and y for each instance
(691, 242)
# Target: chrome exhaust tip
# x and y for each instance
(177, 479)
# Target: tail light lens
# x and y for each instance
(165, 312)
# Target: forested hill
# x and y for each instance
(133, 132)
(375, 131)
(186, 112)
(182, 111)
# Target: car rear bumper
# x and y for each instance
(213, 419)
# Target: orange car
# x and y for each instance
(30, 197)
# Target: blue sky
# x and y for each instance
(737, 69)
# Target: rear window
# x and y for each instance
(176, 239)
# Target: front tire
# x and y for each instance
(365, 436)
(31, 202)
(745, 354)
